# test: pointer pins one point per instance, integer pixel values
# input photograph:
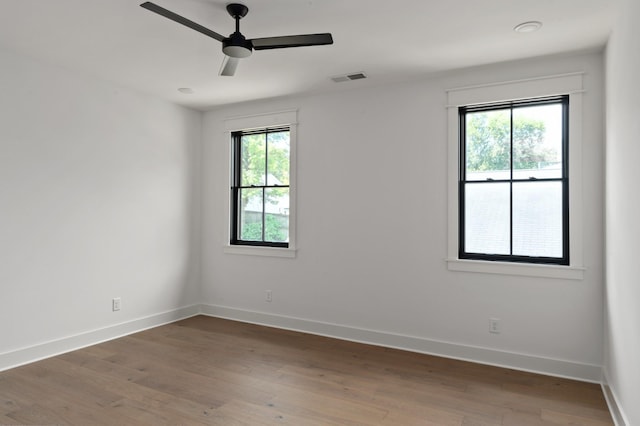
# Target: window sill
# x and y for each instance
(521, 269)
(261, 251)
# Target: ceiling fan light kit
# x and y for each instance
(236, 46)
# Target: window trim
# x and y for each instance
(565, 84)
(287, 118)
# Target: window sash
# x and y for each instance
(237, 188)
(511, 181)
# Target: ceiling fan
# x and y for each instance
(236, 46)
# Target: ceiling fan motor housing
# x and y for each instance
(237, 46)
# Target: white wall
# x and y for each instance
(372, 221)
(622, 359)
(97, 200)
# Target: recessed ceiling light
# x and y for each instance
(528, 27)
(186, 90)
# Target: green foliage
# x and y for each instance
(273, 230)
(488, 142)
(278, 156)
(253, 159)
(266, 161)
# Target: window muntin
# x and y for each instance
(260, 192)
(513, 183)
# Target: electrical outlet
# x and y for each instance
(494, 326)
(268, 296)
(116, 304)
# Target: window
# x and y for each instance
(498, 222)
(513, 184)
(260, 187)
(262, 183)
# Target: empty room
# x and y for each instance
(319, 212)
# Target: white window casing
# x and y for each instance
(282, 118)
(565, 84)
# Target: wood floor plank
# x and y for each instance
(523, 418)
(63, 405)
(563, 418)
(268, 414)
(134, 395)
(4, 420)
(34, 414)
(218, 372)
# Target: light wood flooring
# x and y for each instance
(211, 371)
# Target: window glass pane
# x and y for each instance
(277, 215)
(537, 219)
(537, 142)
(278, 158)
(251, 214)
(253, 159)
(487, 221)
(488, 151)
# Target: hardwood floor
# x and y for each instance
(217, 372)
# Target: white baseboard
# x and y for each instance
(56, 347)
(524, 362)
(552, 367)
(614, 408)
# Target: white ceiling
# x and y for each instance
(119, 41)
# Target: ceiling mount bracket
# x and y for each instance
(237, 10)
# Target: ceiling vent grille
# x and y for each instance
(349, 77)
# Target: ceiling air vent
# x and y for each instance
(349, 77)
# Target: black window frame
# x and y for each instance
(564, 179)
(236, 187)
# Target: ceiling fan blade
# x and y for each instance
(181, 20)
(291, 41)
(229, 66)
